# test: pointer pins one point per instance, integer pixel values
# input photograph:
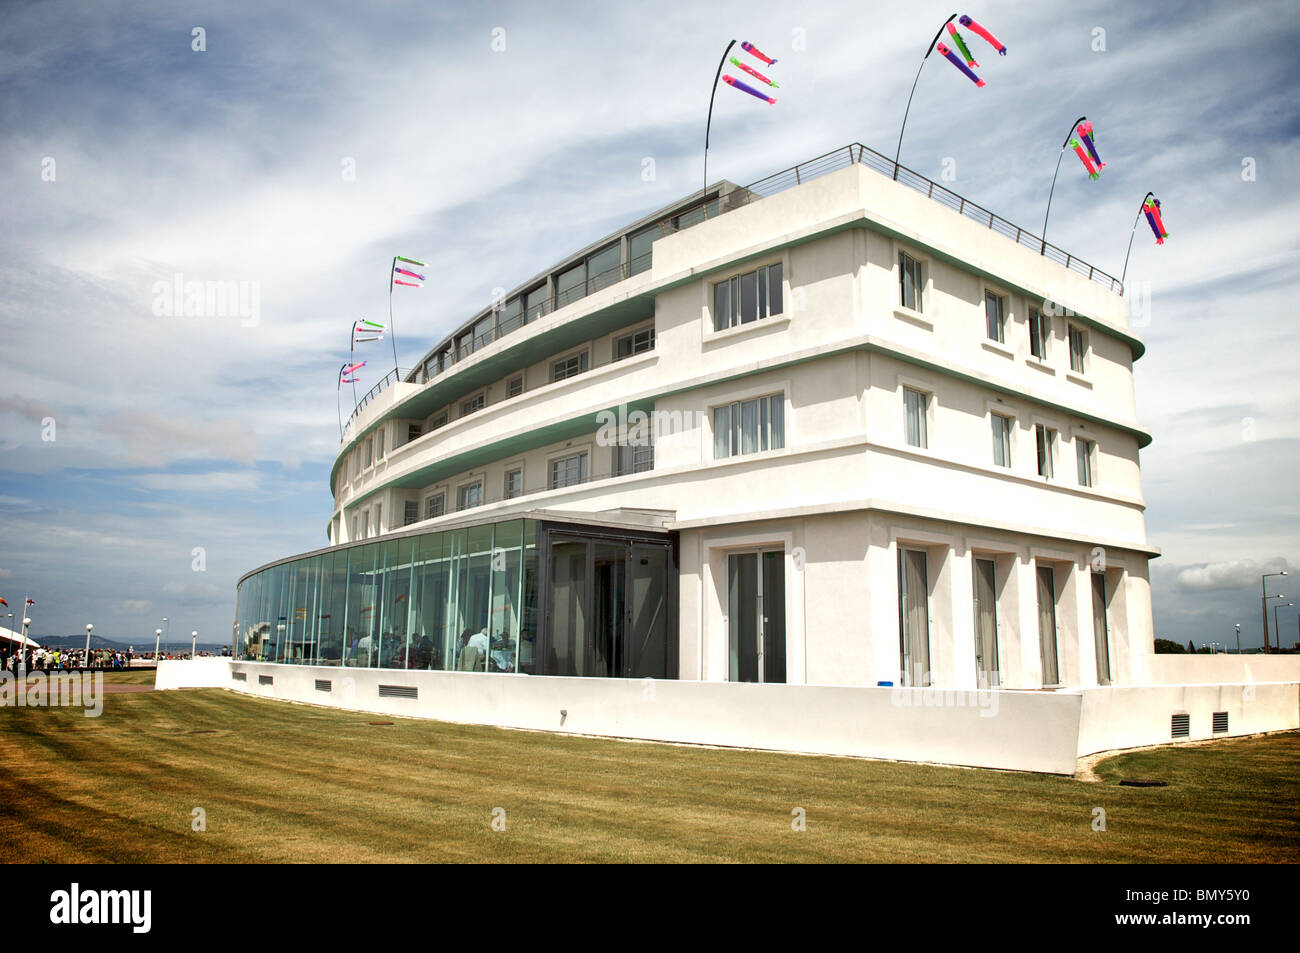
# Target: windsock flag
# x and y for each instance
(753, 50)
(410, 278)
(746, 88)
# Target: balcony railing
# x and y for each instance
(841, 158)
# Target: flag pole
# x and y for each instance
(352, 357)
(392, 273)
(1133, 231)
(338, 392)
(1061, 155)
(929, 50)
(709, 125)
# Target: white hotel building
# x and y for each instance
(847, 434)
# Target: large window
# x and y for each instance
(512, 315)
(1001, 440)
(639, 249)
(514, 483)
(635, 343)
(995, 317)
(571, 285)
(1045, 441)
(535, 304)
(633, 458)
(910, 282)
(1085, 450)
(748, 297)
(569, 471)
(469, 496)
(435, 505)
(475, 403)
(413, 432)
(1100, 631)
(1040, 332)
(1078, 350)
(914, 616)
(569, 366)
(915, 405)
(749, 426)
(603, 269)
(410, 512)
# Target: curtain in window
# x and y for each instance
(1047, 624)
(986, 623)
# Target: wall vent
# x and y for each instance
(265, 680)
(1180, 726)
(323, 685)
(1220, 722)
(239, 676)
(399, 691)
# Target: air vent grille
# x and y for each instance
(1220, 722)
(265, 680)
(399, 691)
(323, 685)
(239, 676)
(1181, 726)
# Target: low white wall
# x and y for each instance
(1127, 717)
(1016, 730)
(193, 673)
(1219, 669)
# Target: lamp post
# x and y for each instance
(1238, 638)
(1263, 603)
(157, 638)
(1276, 630)
(194, 641)
(86, 658)
(1066, 142)
(167, 629)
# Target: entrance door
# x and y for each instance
(986, 623)
(1099, 628)
(914, 616)
(756, 616)
(1047, 624)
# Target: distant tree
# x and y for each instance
(1190, 647)
(1166, 647)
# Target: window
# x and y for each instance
(748, 297)
(1084, 451)
(910, 281)
(515, 386)
(365, 524)
(915, 404)
(435, 505)
(571, 285)
(1078, 350)
(484, 331)
(569, 367)
(469, 496)
(1045, 440)
(639, 248)
(633, 458)
(410, 512)
(474, 403)
(369, 448)
(636, 343)
(413, 432)
(995, 316)
(379, 512)
(356, 463)
(535, 304)
(749, 426)
(603, 269)
(514, 484)
(356, 524)
(1040, 331)
(569, 471)
(379, 445)
(512, 316)
(1001, 440)
(438, 422)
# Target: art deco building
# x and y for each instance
(832, 429)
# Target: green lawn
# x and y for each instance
(282, 782)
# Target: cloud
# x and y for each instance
(153, 439)
(1233, 574)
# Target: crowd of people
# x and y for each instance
(43, 659)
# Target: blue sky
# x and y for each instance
(177, 434)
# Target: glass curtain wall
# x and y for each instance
(462, 600)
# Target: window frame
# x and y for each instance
(461, 491)
(583, 357)
(1085, 456)
(735, 432)
(1008, 444)
(583, 454)
(632, 336)
(1040, 327)
(440, 495)
(763, 297)
(1073, 329)
(1051, 436)
(920, 281)
(924, 418)
(1003, 301)
(480, 398)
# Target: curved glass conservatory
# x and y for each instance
(521, 595)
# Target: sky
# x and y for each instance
(149, 458)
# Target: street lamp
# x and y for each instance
(194, 637)
(1263, 604)
(1276, 631)
(168, 628)
(86, 658)
(157, 638)
(1238, 638)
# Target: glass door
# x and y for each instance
(1047, 624)
(1100, 630)
(986, 623)
(914, 616)
(756, 616)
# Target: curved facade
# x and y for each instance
(872, 439)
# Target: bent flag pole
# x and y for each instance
(405, 275)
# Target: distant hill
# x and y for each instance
(117, 645)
